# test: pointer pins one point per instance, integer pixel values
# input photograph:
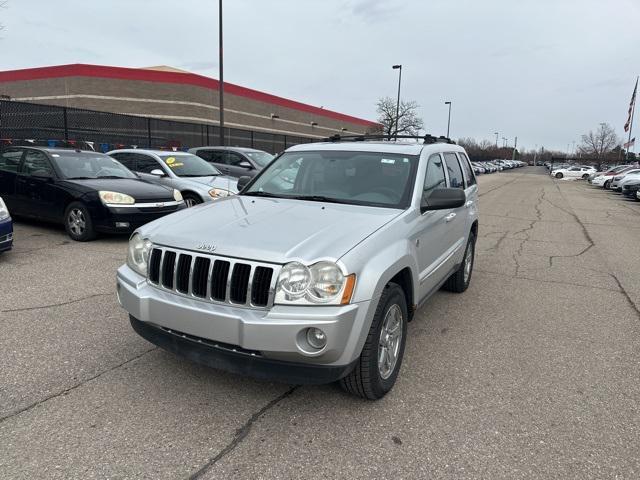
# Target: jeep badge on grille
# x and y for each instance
(206, 247)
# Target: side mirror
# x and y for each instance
(41, 174)
(243, 181)
(443, 199)
(245, 164)
(158, 173)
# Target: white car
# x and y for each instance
(619, 180)
(573, 172)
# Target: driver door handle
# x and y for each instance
(449, 217)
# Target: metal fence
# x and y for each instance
(106, 131)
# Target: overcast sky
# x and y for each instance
(543, 70)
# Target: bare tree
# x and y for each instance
(599, 143)
(408, 121)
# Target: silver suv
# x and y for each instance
(312, 272)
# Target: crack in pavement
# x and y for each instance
(52, 305)
(584, 250)
(500, 186)
(585, 232)
(242, 433)
(70, 389)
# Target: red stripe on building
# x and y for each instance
(123, 73)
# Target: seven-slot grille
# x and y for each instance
(211, 278)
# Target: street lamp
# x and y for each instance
(449, 120)
(398, 67)
(504, 141)
(221, 80)
(496, 134)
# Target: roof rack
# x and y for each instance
(426, 139)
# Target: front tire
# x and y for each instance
(559, 175)
(78, 223)
(377, 368)
(607, 184)
(585, 176)
(459, 281)
(191, 200)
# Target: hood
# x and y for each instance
(270, 229)
(140, 190)
(218, 181)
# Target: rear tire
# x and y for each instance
(377, 368)
(559, 175)
(78, 223)
(459, 281)
(585, 176)
(607, 184)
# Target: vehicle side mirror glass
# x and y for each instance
(157, 172)
(245, 164)
(41, 174)
(443, 199)
(243, 181)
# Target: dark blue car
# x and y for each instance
(6, 228)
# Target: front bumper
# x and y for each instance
(269, 344)
(6, 234)
(114, 219)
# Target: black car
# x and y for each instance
(235, 161)
(631, 190)
(87, 191)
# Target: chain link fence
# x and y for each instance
(53, 125)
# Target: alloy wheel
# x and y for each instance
(390, 340)
(77, 222)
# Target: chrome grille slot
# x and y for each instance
(200, 275)
(214, 279)
(154, 265)
(260, 286)
(168, 268)
(182, 273)
(239, 283)
(219, 277)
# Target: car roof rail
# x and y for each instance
(426, 139)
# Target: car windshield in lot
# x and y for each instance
(75, 165)
(358, 178)
(261, 158)
(188, 165)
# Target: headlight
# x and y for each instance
(218, 192)
(321, 283)
(115, 198)
(138, 256)
(177, 196)
(4, 211)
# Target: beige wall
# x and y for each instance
(174, 102)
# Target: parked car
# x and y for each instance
(314, 280)
(630, 189)
(604, 179)
(88, 192)
(573, 172)
(234, 161)
(197, 180)
(6, 228)
(628, 175)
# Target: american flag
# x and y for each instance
(631, 105)
(630, 143)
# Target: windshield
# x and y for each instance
(89, 165)
(188, 165)
(261, 158)
(359, 178)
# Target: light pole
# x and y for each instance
(449, 120)
(398, 67)
(496, 134)
(221, 80)
(504, 141)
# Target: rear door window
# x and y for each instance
(468, 171)
(456, 179)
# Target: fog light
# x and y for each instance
(316, 338)
(122, 224)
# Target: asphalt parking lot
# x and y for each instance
(532, 373)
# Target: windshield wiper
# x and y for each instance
(111, 176)
(317, 198)
(264, 194)
(81, 178)
(204, 175)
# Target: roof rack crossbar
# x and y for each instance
(426, 139)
